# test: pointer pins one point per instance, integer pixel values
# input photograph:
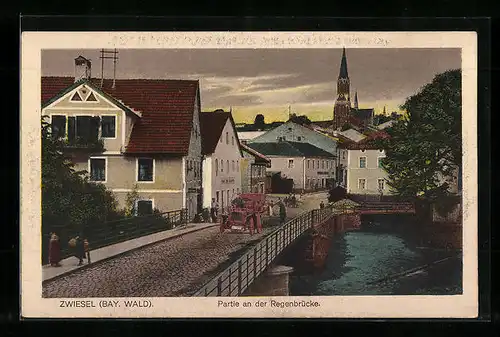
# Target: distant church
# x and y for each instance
(343, 112)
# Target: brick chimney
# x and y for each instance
(83, 68)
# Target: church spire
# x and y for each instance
(356, 100)
(343, 66)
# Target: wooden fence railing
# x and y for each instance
(235, 279)
(121, 230)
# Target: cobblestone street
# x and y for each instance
(173, 267)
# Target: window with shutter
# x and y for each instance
(71, 129)
(95, 122)
(83, 127)
(58, 126)
(145, 168)
(108, 125)
(98, 169)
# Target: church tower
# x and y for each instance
(342, 108)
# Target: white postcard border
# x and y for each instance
(32, 303)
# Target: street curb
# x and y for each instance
(122, 253)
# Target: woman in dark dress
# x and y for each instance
(54, 250)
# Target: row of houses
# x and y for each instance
(150, 136)
(316, 158)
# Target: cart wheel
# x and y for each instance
(250, 225)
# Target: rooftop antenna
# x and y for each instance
(105, 55)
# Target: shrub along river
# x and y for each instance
(387, 256)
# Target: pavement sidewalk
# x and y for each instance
(70, 264)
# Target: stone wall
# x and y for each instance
(453, 216)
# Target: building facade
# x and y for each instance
(360, 165)
(221, 158)
(128, 143)
(310, 167)
(253, 171)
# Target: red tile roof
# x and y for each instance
(167, 108)
(51, 86)
(374, 135)
(211, 126)
(366, 143)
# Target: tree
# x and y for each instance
(71, 205)
(426, 143)
(259, 122)
(301, 119)
(337, 193)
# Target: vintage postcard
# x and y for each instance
(249, 175)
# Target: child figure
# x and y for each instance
(87, 249)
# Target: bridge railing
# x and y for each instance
(242, 273)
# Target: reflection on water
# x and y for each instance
(358, 261)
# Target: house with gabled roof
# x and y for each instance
(129, 133)
(310, 167)
(221, 158)
(294, 132)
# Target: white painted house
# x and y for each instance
(360, 168)
(310, 167)
(221, 158)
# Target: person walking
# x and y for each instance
(213, 210)
(78, 248)
(54, 250)
(282, 211)
(322, 204)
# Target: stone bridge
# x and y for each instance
(256, 272)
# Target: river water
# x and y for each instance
(375, 260)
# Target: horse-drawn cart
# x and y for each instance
(245, 214)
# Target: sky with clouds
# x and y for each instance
(268, 81)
